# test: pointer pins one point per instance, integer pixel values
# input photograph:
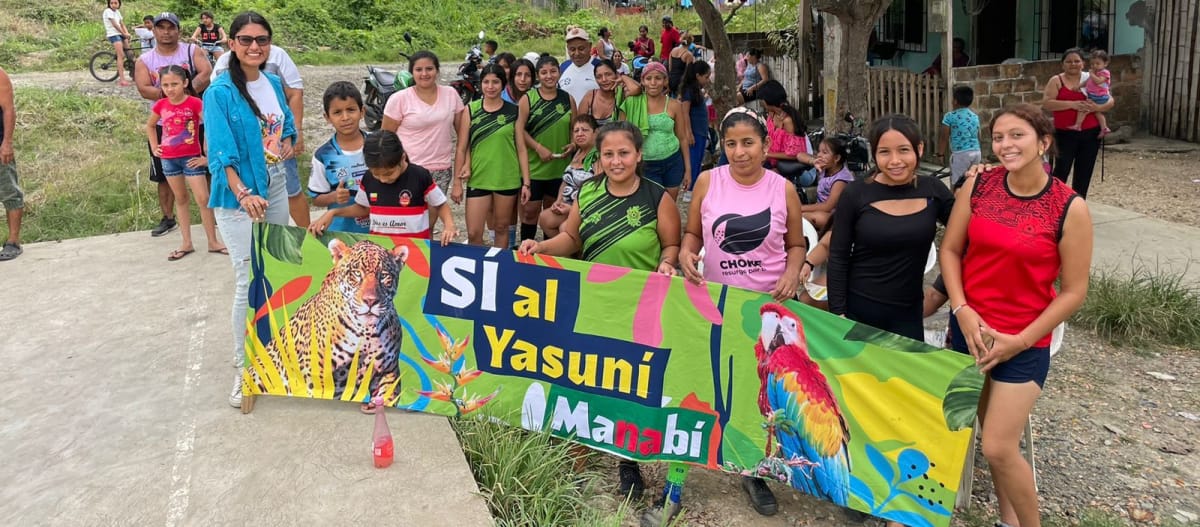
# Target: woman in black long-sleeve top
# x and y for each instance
(882, 231)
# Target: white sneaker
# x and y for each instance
(235, 395)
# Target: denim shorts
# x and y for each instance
(115, 38)
(292, 168)
(178, 167)
(1033, 364)
(1098, 99)
(666, 172)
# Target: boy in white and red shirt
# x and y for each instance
(400, 198)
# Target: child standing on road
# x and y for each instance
(959, 137)
(182, 155)
(338, 165)
(1096, 88)
(396, 195)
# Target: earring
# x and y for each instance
(1041, 151)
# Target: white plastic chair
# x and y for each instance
(963, 499)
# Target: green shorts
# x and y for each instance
(10, 192)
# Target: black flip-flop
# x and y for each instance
(223, 250)
(179, 254)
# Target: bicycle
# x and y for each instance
(103, 64)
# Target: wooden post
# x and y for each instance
(948, 55)
(803, 29)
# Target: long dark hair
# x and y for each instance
(512, 71)
(235, 66)
(689, 86)
(773, 93)
(903, 124)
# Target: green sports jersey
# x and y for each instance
(494, 148)
(620, 231)
(549, 124)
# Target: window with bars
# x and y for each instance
(1066, 24)
(904, 24)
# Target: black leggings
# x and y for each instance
(1078, 148)
(901, 320)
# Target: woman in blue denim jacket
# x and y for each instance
(250, 132)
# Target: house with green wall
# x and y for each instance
(999, 30)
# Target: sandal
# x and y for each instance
(223, 250)
(178, 254)
(367, 408)
(9, 251)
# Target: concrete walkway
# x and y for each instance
(1125, 240)
(113, 410)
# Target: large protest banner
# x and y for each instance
(640, 365)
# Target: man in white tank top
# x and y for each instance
(167, 52)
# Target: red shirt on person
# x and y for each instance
(669, 39)
(1065, 119)
(181, 127)
(1011, 259)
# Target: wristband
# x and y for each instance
(955, 311)
(810, 264)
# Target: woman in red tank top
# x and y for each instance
(1076, 148)
(1014, 230)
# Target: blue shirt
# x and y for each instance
(964, 129)
(332, 166)
(235, 139)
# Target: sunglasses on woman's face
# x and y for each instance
(246, 40)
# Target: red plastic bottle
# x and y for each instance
(383, 447)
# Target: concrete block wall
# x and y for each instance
(1000, 85)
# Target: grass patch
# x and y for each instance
(83, 165)
(1147, 305)
(62, 36)
(530, 479)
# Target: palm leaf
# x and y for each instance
(283, 243)
(962, 398)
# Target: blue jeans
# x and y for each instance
(236, 227)
(696, 155)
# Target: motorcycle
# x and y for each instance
(858, 160)
(380, 84)
(467, 84)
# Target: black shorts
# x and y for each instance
(156, 168)
(1032, 364)
(480, 193)
(747, 97)
(544, 189)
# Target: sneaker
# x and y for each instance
(631, 486)
(660, 514)
(235, 395)
(761, 497)
(165, 225)
(10, 250)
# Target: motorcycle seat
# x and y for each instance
(384, 78)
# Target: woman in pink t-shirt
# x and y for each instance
(425, 117)
(748, 220)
